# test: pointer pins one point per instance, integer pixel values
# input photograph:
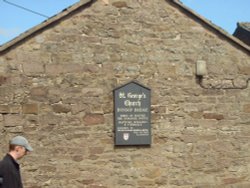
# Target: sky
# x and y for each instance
(223, 13)
(16, 19)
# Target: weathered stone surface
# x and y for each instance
(213, 116)
(94, 92)
(60, 108)
(38, 93)
(30, 108)
(93, 119)
(13, 120)
(4, 109)
(96, 150)
(246, 108)
(244, 70)
(120, 4)
(3, 80)
(56, 69)
(56, 88)
(31, 68)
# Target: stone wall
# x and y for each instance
(56, 88)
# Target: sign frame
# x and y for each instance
(132, 114)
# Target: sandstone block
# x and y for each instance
(39, 93)
(93, 92)
(33, 68)
(15, 109)
(153, 173)
(15, 129)
(246, 108)
(196, 115)
(3, 80)
(30, 108)
(61, 108)
(4, 109)
(120, 4)
(233, 180)
(93, 119)
(13, 120)
(96, 150)
(213, 116)
(244, 70)
(145, 183)
(56, 69)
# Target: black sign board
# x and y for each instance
(132, 114)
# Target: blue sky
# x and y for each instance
(223, 13)
(14, 20)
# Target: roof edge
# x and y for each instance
(44, 24)
(74, 7)
(212, 26)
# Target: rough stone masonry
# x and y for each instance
(56, 88)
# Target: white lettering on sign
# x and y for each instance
(139, 96)
(122, 95)
(136, 96)
(124, 109)
(132, 103)
(141, 110)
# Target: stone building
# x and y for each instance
(56, 88)
(242, 32)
